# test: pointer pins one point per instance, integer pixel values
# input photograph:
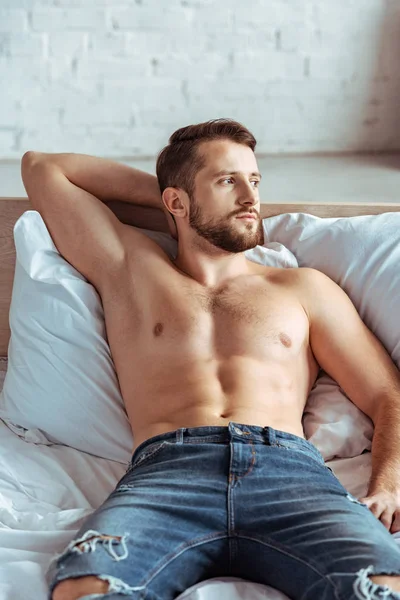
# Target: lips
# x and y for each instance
(248, 215)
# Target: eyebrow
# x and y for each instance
(223, 172)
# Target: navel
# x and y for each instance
(285, 339)
(158, 329)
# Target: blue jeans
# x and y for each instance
(241, 501)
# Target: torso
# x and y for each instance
(188, 356)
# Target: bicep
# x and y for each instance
(345, 347)
(85, 231)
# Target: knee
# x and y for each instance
(368, 585)
(392, 581)
(73, 589)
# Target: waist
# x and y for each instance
(208, 417)
(256, 434)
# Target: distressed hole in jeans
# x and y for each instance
(114, 585)
(87, 543)
(112, 544)
(366, 589)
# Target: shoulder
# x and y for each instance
(308, 284)
(306, 276)
(321, 297)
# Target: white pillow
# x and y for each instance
(61, 383)
(362, 255)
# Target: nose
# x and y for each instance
(248, 194)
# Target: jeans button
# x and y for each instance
(238, 430)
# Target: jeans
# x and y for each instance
(242, 501)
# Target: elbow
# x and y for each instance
(38, 159)
(29, 173)
(26, 164)
(29, 159)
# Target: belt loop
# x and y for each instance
(179, 435)
(270, 435)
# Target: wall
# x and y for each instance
(116, 78)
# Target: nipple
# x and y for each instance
(285, 339)
(158, 329)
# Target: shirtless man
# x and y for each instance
(222, 480)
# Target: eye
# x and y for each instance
(256, 181)
(226, 179)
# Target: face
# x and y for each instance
(227, 187)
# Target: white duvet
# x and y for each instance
(46, 491)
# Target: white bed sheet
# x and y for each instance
(47, 491)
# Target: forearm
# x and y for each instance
(106, 179)
(386, 446)
(140, 216)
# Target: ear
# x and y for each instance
(171, 223)
(170, 196)
(172, 200)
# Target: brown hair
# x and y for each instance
(179, 162)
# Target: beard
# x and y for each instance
(227, 234)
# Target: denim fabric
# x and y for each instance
(242, 501)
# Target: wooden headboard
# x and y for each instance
(12, 208)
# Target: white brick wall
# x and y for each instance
(117, 78)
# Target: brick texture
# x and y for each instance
(117, 78)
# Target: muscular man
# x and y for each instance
(215, 356)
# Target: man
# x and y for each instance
(216, 356)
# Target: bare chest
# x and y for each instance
(250, 316)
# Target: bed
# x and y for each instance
(47, 488)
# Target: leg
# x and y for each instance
(72, 589)
(392, 582)
(162, 530)
(301, 532)
(374, 586)
(79, 585)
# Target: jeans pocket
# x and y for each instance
(147, 454)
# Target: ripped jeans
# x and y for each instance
(242, 501)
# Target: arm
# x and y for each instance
(354, 357)
(132, 195)
(85, 231)
(145, 217)
(106, 179)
